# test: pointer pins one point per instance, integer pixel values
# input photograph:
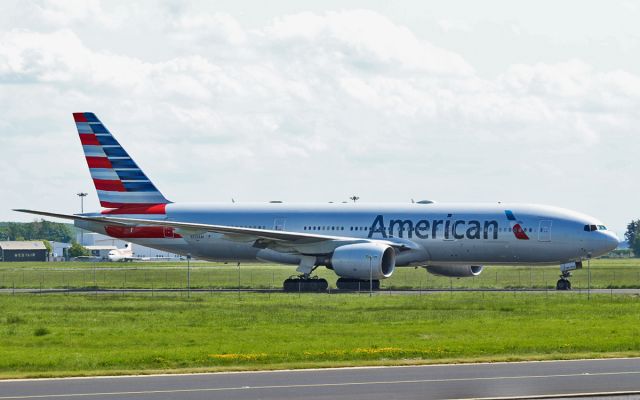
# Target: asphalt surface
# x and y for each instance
(381, 292)
(552, 379)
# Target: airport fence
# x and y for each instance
(602, 274)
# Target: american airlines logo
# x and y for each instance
(425, 229)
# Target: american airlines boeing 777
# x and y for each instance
(359, 242)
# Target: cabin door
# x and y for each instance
(278, 224)
(544, 231)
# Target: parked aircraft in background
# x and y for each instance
(125, 254)
(361, 243)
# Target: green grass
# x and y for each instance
(58, 335)
(605, 273)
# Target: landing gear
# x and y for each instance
(565, 272)
(305, 282)
(302, 284)
(563, 284)
(357, 284)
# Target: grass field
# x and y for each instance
(57, 335)
(605, 273)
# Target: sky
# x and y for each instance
(299, 101)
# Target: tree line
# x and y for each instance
(37, 230)
(633, 236)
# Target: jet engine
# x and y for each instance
(364, 260)
(455, 271)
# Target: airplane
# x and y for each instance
(362, 243)
(125, 254)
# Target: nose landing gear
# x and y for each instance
(563, 283)
(565, 272)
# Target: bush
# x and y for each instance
(77, 250)
(41, 332)
(14, 319)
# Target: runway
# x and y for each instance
(333, 291)
(549, 379)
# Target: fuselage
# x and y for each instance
(435, 233)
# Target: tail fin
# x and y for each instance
(117, 178)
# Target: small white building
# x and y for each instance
(59, 251)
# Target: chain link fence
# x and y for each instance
(211, 276)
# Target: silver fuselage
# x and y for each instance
(436, 233)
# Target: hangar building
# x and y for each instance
(23, 251)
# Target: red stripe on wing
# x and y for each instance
(141, 232)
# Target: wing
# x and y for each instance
(294, 242)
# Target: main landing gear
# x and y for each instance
(357, 284)
(565, 272)
(302, 284)
(305, 282)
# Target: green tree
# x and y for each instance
(49, 248)
(633, 236)
(37, 230)
(77, 250)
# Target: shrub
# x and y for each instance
(41, 332)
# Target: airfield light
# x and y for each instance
(354, 198)
(82, 195)
(188, 275)
(371, 258)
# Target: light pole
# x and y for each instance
(188, 275)
(82, 195)
(371, 258)
(589, 276)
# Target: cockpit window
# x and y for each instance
(591, 228)
(602, 228)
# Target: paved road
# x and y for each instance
(479, 381)
(382, 292)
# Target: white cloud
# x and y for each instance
(309, 106)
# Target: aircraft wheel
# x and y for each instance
(563, 284)
(305, 285)
(357, 284)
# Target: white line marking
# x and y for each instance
(234, 388)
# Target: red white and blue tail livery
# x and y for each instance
(359, 242)
(117, 178)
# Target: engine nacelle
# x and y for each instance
(362, 260)
(455, 271)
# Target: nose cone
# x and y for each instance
(605, 241)
(612, 240)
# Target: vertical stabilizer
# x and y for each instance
(117, 178)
